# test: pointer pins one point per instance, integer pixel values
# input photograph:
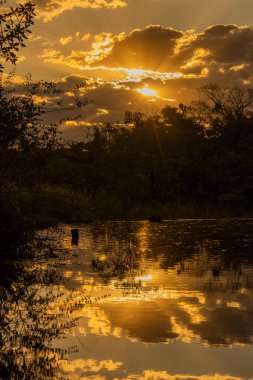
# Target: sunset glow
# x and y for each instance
(126, 236)
(147, 91)
(153, 58)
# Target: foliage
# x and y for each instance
(28, 201)
(14, 29)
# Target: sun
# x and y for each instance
(147, 91)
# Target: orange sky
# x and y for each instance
(138, 55)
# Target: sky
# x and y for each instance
(138, 55)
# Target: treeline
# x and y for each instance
(194, 161)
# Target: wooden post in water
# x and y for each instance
(75, 236)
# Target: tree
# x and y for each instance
(29, 199)
(227, 103)
(219, 107)
(14, 29)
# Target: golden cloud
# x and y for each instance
(49, 9)
(150, 48)
(168, 50)
(164, 53)
(65, 40)
(102, 47)
(164, 375)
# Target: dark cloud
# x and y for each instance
(219, 47)
(224, 44)
(149, 48)
(221, 52)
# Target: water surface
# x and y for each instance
(135, 300)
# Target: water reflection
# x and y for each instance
(179, 305)
(135, 300)
(184, 280)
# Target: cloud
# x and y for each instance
(65, 40)
(168, 63)
(220, 52)
(218, 47)
(49, 9)
(169, 50)
(164, 375)
(150, 48)
(108, 102)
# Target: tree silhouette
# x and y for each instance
(14, 30)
